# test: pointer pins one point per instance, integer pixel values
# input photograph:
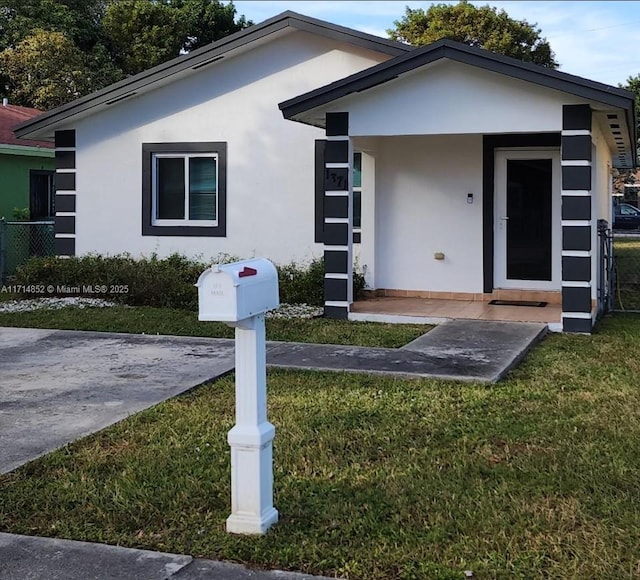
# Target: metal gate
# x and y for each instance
(626, 252)
(20, 241)
(606, 269)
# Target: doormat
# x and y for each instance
(529, 303)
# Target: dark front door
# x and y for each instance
(527, 227)
(529, 186)
(41, 195)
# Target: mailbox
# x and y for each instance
(233, 292)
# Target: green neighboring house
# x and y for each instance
(27, 168)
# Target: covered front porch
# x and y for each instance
(437, 310)
(452, 178)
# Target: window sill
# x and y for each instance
(218, 231)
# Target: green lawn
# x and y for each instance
(185, 323)
(378, 478)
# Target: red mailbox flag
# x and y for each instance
(247, 272)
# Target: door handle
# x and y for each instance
(504, 218)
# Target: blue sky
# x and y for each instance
(596, 40)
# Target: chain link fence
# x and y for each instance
(626, 251)
(22, 240)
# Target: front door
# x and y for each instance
(527, 222)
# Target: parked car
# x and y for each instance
(626, 217)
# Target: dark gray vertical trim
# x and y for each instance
(318, 205)
(336, 207)
(335, 289)
(65, 246)
(576, 299)
(576, 269)
(583, 325)
(66, 203)
(336, 234)
(576, 147)
(336, 312)
(576, 177)
(337, 124)
(65, 180)
(336, 179)
(337, 262)
(576, 207)
(65, 159)
(65, 138)
(337, 152)
(65, 224)
(576, 118)
(576, 237)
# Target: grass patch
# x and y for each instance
(627, 254)
(378, 477)
(168, 321)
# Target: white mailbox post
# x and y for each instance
(239, 294)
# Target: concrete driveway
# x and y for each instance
(57, 386)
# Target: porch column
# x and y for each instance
(576, 219)
(338, 220)
(65, 186)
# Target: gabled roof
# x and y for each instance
(448, 49)
(207, 55)
(10, 117)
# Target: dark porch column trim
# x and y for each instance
(577, 222)
(489, 144)
(338, 224)
(65, 192)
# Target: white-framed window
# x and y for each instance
(185, 189)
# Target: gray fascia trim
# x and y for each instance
(386, 71)
(209, 52)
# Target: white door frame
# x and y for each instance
(499, 224)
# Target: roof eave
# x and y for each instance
(201, 57)
(387, 71)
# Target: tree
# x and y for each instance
(104, 41)
(483, 27)
(45, 70)
(633, 85)
(79, 20)
(207, 21)
(142, 33)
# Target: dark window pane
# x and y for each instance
(357, 209)
(529, 187)
(202, 188)
(357, 170)
(170, 188)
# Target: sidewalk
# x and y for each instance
(33, 558)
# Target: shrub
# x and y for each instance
(161, 282)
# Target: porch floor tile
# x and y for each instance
(457, 309)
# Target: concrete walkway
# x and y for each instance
(33, 558)
(58, 386)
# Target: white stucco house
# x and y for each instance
(444, 170)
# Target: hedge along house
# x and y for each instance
(483, 177)
(26, 167)
(193, 156)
